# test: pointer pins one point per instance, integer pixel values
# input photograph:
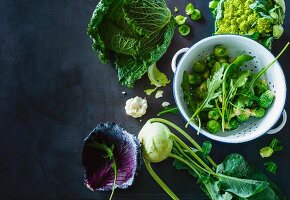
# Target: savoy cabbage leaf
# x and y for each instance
(136, 32)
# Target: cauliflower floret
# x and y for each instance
(136, 107)
(159, 94)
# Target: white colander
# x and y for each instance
(236, 45)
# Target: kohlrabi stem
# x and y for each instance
(114, 166)
(184, 134)
(191, 152)
(185, 162)
(159, 181)
(186, 156)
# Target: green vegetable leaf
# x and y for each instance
(271, 167)
(150, 91)
(184, 30)
(168, 109)
(189, 9)
(181, 166)
(206, 148)
(187, 90)
(156, 77)
(180, 19)
(266, 152)
(212, 85)
(276, 145)
(137, 33)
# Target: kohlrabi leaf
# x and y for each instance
(271, 167)
(137, 33)
(108, 145)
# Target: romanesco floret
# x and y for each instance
(239, 18)
(264, 25)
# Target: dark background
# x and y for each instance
(53, 92)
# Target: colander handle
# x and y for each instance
(284, 120)
(173, 62)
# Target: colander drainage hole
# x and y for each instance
(250, 52)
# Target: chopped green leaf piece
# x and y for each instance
(213, 4)
(266, 152)
(276, 145)
(277, 31)
(271, 167)
(196, 14)
(150, 91)
(184, 30)
(189, 9)
(168, 109)
(180, 19)
(206, 148)
(175, 9)
(156, 77)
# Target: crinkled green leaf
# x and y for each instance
(137, 32)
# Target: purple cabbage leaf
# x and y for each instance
(110, 157)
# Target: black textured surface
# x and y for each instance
(53, 92)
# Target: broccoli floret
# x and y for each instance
(199, 66)
(266, 99)
(213, 126)
(214, 114)
(232, 124)
(264, 25)
(258, 112)
(220, 51)
(194, 79)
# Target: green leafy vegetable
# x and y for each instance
(189, 9)
(150, 91)
(275, 146)
(168, 109)
(266, 152)
(180, 19)
(184, 30)
(271, 167)
(137, 33)
(212, 85)
(156, 77)
(222, 95)
(234, 178)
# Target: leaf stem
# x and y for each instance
(191, 152)
(184, 134)
(159, 181)
(114, 166)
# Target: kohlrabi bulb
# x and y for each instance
(156, 141)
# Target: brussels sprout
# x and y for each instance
(220, 51)
(199, 66)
